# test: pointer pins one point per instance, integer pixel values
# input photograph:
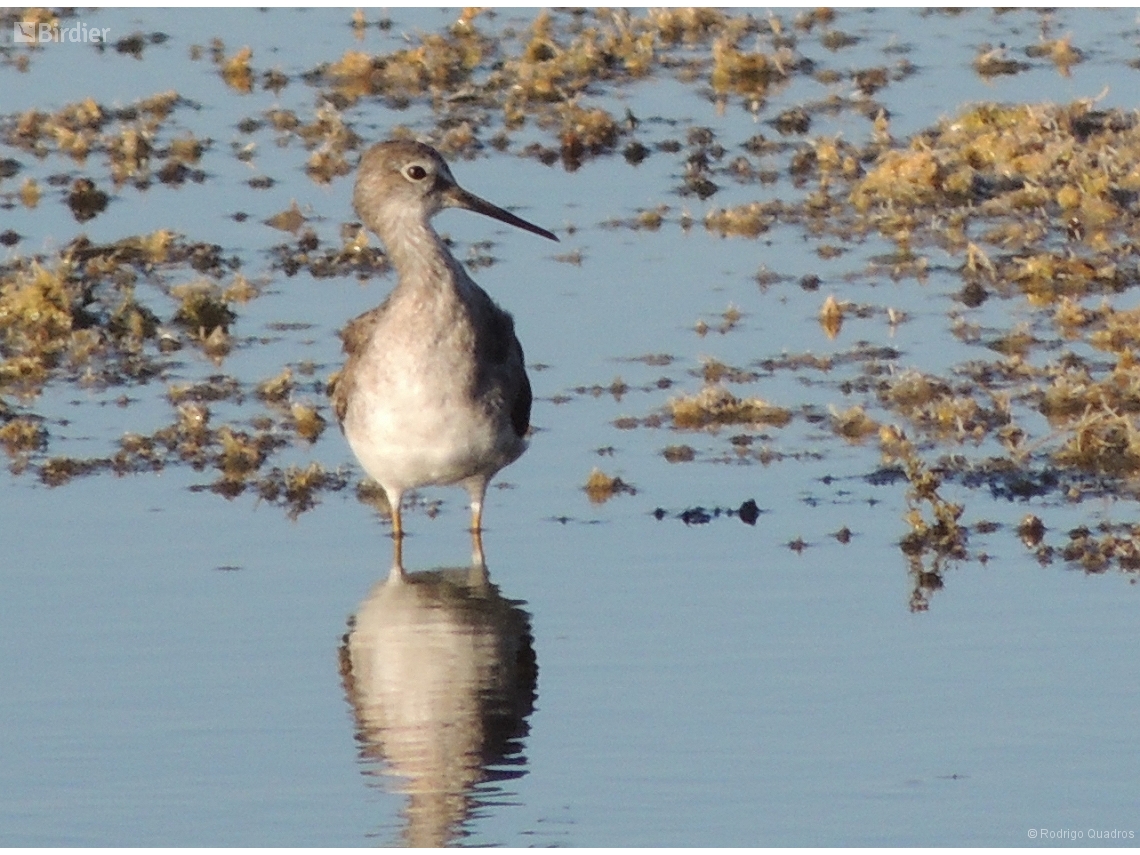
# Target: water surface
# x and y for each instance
(186, 669)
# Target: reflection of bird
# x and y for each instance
(440, 671)
(434, 390)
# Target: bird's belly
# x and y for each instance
(410, 437)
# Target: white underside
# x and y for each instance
(404, 449)
(407, 434)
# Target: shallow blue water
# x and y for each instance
(172, 671)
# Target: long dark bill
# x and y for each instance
(457, 197)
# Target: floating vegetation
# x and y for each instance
(277, 388)
(600, 487)
(289, 220)
(679, 453)
(1009, 163)
(307, 421)
(353, 258)
(746, 72)
(545, 77)
(933, 405)
(22, 435)
(1100, 550)
(715, 406)
(88, 315)
(298, 489)
(749, 220)
(992, 61)
(935, 531)
(130, 137)
(86, 200)
(853, 424)
(203, 310)
(1055, 196)
(236, 72)
(1060, 51)
(715, 371)
(831, 316)
(729, 319)
(1102, 441)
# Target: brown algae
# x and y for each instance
(715, 406)
(601, 487)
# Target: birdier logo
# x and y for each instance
(30, 33)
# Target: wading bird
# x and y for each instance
(434, 390)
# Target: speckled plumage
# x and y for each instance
(434, 390)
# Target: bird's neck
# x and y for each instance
(419, 254)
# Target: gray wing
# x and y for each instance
(520, 409)
(505, 364)
(354, 337)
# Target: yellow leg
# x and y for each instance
(397, 523)
(476, 489)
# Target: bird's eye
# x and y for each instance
(416, 172)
